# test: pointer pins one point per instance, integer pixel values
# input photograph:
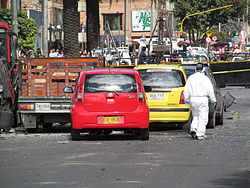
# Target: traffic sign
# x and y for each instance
(209, 32)
(208, 39)
(214, 38)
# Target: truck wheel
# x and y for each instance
(144, 134)
(75, 134)
(47, 126)
(211, 121)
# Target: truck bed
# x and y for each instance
(41, 100)
(46, 77)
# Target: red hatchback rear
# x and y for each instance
(109, 99)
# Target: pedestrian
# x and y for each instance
(53, 53)
(143, 56)
(31, 53)
(197, 90)
(38, 53)
(175, 56)
(60, 53)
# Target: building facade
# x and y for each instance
(128, 20)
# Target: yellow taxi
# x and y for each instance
(164, 85)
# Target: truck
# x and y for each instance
(41, 100)
(8, 77)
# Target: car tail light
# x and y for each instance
(26, 107)
(182, 101)
(1, 88)
(141, 97)
(79, 94)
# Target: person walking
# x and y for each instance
(143, 56)
(197, 90)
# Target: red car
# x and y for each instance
(109, 99)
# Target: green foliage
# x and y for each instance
(27, 27)
(200, 23)
(204, 21)
(221, 36)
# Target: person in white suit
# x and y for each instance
(197, 90)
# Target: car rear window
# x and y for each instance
(162, 79)
(122, 83)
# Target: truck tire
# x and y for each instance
(144, 134)
(47, 127)
(75, 134)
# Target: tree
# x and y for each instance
(93, 24)
(27, 27)
(202, 22)
(71, 25)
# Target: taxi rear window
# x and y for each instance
(124, 83)
(162, 79)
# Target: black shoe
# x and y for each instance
(193, 134)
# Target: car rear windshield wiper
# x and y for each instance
(116, 93)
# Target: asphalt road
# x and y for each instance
(170, 159)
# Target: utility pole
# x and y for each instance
(126, 26)
(119, 28)
(14, 17)
(247, 24)
(45, 28)
(153, 17)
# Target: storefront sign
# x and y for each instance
(141, 20)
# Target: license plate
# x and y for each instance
(42, 106)
(110, 119)
(156, 96)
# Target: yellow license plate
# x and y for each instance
(111, 120)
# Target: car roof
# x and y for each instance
(109, 71)
(157, 66)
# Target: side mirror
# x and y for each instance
(68, 90)
(147, 88)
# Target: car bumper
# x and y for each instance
(82, 119)
(169, 115)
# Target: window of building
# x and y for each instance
(114, 20)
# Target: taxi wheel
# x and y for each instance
(144, 134)
(75, 134)
(219, 119)
(212, 121)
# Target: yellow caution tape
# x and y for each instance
(232, 71)
(215, 62)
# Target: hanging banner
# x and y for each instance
(141, 20)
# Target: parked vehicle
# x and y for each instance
(7, 97)
(8, 43)
(164, 85)
(41, 100)
(215, 114)
(8, 77)
(114, 56)
(109, 99)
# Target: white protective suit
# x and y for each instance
(196, 92)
